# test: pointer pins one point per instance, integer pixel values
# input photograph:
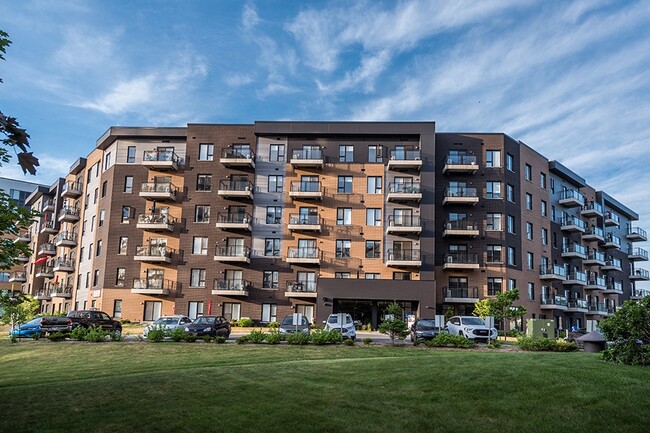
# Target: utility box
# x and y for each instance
(540, 328)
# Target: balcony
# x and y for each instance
(236, 189)
(307, 158)
(231, 287)
(461, 261)
(555, 272)
(301, 289)
(403, 258)
(23, 238)
(60, 291)
(637, 255)
(597, 310)
(405, 160)
(152, 286)
(612, 241)
(636, 234)
(164, 191)
(613, 288)
(596, 283)
(22, 258)
(72, 189)
(299, 222)
(612, 220)
(303, 255)
(49, 227)
(153, 254)
(460, 228)
(577, 306)
(404, 192)
(576, 278)
(572, 224)
(571, 198)
(237, 158)
(161, 160)
(61, 264)
(156, 222)
(45, 272)
(574, 251)
(553, 302)
(43, 295)
(404, 224)
(460, 164)
(461, 295)
(233, 254)
(234, 221)
(638, 294)
(592, 209)
(592, 234)
(639, 275)
(306, 190)
(612, 264)
(18, 277)
(595, 258)
(66, 239)
(46, 249)
(69, 215)
(462, 196)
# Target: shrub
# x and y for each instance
(156, 334)
(79, 333)
(178, 334)
(320, 337)
(241, 340)
(56, 336)
(116, 336)
(367, 341)
(393, 325)
(36, 336)
(245, 322)
(511, 333)
(207, 338)
(335, 336)
(191, 338)
(297, 338)
(545, 345)
(13, 339)
(448, 340)
(96, 334)
(219, 339)
(273, 325)
(273, 338)
(495, 344)
(629, 331)
(257, 337)
(125, 321)
(348, 342)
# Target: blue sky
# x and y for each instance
(568, 78)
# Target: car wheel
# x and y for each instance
(118, 332)
(460, 333)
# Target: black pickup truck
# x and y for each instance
(85, 318)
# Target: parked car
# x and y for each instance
(27, 329)
(424, 329)
(294, 323)
(85, 318)
(470, 327)
(209, 325)
(343, 323)
(168, 323)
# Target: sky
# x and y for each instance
(568, 78)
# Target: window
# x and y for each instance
(202, 214)
(87, 279)
(544, 208)
(276, 153)
(272, 247)
(529, 201)
(107, 161)
(511, 256)
(493, 222)
(343, 248)
(512, 284)
(553, 186)
(510, 162)
(531, 291)
(96, 278)
(194, 309)
(152, 310)
(197, 278)
(130, 154)
(530, 260)
(4, 277)
(375, 153)
(510, 193)
(128, 184)
(529, 231)
(204, 182)
(510, 221)
(102, 215)
(372, 276)
(542, 180)
(401, 275)
(344, 185)
(373, 217)
(87, 201)
(126, 214)
(553, 212)
(270, 279)
(343, 216)
(528, 172)
(206, 152)
(275, 183)
(117, 308)
(544, 236)
(231, 311)
(120, 277)
(90, 252)
(494, 254)
(95, 195)
(374, 184)
(96, 166)
(81, 254)
(269, 313)
(200, 245)
(346, 153)
(273, 214)
(344, 275)
(104, 188)
(373, 249)
(122, 247)
(99, 248)
(493, 158)
(494, 285)
(493, 190)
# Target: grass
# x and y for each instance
(146, 387)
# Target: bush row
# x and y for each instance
(545, 345)
(448, 340)
(158, 334)
(318, 337)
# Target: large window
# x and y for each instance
(130, 154)
(269, 313)
(528, 172)
(200, 245)
(544, 236)
(152, 310)
(493, 158)
(343, 216)
(373, 249)
(197, 278)
(529, 231)
(374, 184)
(123, 245)
(510, 162)
(202, 214)
(206, 152)
(203, 182)
(120, 277)
(274, 214)
(117, 308)
(343, 248)
(495, 285)
(493, 190)
(276, 153)
(544, 208)
(270, 279)
(531, 291)
(375, 153)
(272, 247)
(346, 153)
(231, 311)
(512, 256)
(493, 222)
(542, 180)
(195, 309)
(530, 260)
(494, 254)
(373, 217)
(510, 222)
(276, 183)
(128, 184)
(510, 193)
(529, 201)
(344, 185)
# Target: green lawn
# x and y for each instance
(147, 387)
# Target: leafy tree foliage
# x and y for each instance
(393, 325)
(501, 308)
(17, 307)
(629, 331)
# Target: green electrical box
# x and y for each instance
(540, 328)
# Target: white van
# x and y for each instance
(343, 323)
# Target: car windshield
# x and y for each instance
(166, 321)
(34, 321)
(426, 324)
(288, 321)
(475, 321)
(204, 320)
(334, 318)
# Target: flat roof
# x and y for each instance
(115, 132)
(342, 128)
(617, 205)
(565, 173)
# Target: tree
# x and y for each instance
(628, 330)
(393, 325)
(501, 307)
(17, 308)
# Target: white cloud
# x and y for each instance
(49, 170)
(238, 80)
(84, 48)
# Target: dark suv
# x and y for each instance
(215, 326)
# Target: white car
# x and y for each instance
(168, 323)
(470, 327)
(343, 323)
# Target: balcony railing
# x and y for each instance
(60, 290)
(595, 258)
(639, 274)
(46, 271)
(593, 234)
(576, 277)
(63, 264)
(572, 223)
(554, 272)
(43, 295)
(232, 253)
(232, 287)
(19, 277)
(301, 286)
(46, 248)
(460, 195)
(460, 228)
(66, 238)
(404, 159)
(592, 208)
(48, 227)
(612, 264)
(460, 164)
(554, 300)
(153, 253)
(459, 293)
(48, 205)
(234, 221)
(571, 197)
(637, 254)
(612, 241)
(404, 220)
(303, 253)
(596, 282)
(461, 258)
(404, 255)
(72, 189)
(158, 286)
(597, 308)
(156, 221)
(636, 234)
(577, 304)
(69, 214)
(611, 219)
(159, 190)
(161, 159)
(307, 154)
(304, 222)
(614, 287)
(574, 250)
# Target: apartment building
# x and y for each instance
(266, 219)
